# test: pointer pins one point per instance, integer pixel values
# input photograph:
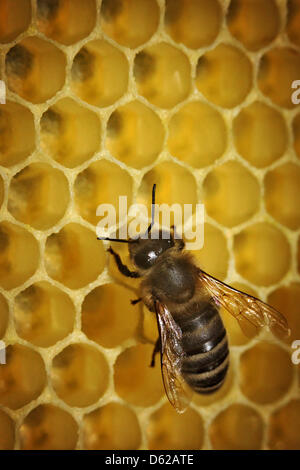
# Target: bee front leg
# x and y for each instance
(122, 267)
(135, 301)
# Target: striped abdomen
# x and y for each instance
(205, 343)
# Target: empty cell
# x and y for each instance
(240, 331)
(170, 430)
(22, 378)
(35, 69)
(163, 75)
(224, 75)
(4, 314)
(262, 254)
(38, 195)
(278, 69)
(135, 381)
(282, 194)
(102, 182)
(66, 21)
(17, 134)
(79, 375)
(70, 133)
(195, 23)
(48, 427)
(43, 314)
(238, 427)
(19, 255)
(15, 17)
(74, 256)
(113, 426)
(266, 373)
(284, 426)
(197, 134)
(99, 73)
(135, 134)
(286, 300)
(107, 316)
(213, 258)
(129, 22)
(174, 185)
(231, 194)
(260, 134)
(296, 134)
(254, 23)
(293, 21)
(7, 432)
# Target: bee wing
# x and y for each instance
(245, 307)
(177, 390)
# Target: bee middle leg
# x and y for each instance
(122, 267)
(156, 350)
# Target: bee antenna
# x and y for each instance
(115, 239)
(152, 208)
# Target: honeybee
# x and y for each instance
(193, 345)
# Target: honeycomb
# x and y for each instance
(103, 99)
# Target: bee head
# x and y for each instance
(145, 252)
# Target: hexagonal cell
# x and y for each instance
(114, 426)
(99, 73)
(22, 378)
(239, 331)
(79, 375)
(15, 18)
(35, 69)
(195, 23)
(129, 22)
(284, 427)
(162, 74)
(135, 381)
(282, 194)
(254, 249)
(296, 134)
(231, 194)
(48, 427)
(70, 133)
(170, 430)
(135, 134)
(266, 373)
(197, 134)
(7, 432)
(286, 300)
(4, 314)
(102, 182)
(293, 21)
(214, 256)
(17, 134)
(74, 256)
(38, 195)
(43, 314)
(66, 21)
(239, 427)
(224, 75)
(19, 257)
(174, 185)
(260, 134)
(108, 318)
(254, 23)
(278, 68)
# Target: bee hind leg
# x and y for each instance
(156, 350)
